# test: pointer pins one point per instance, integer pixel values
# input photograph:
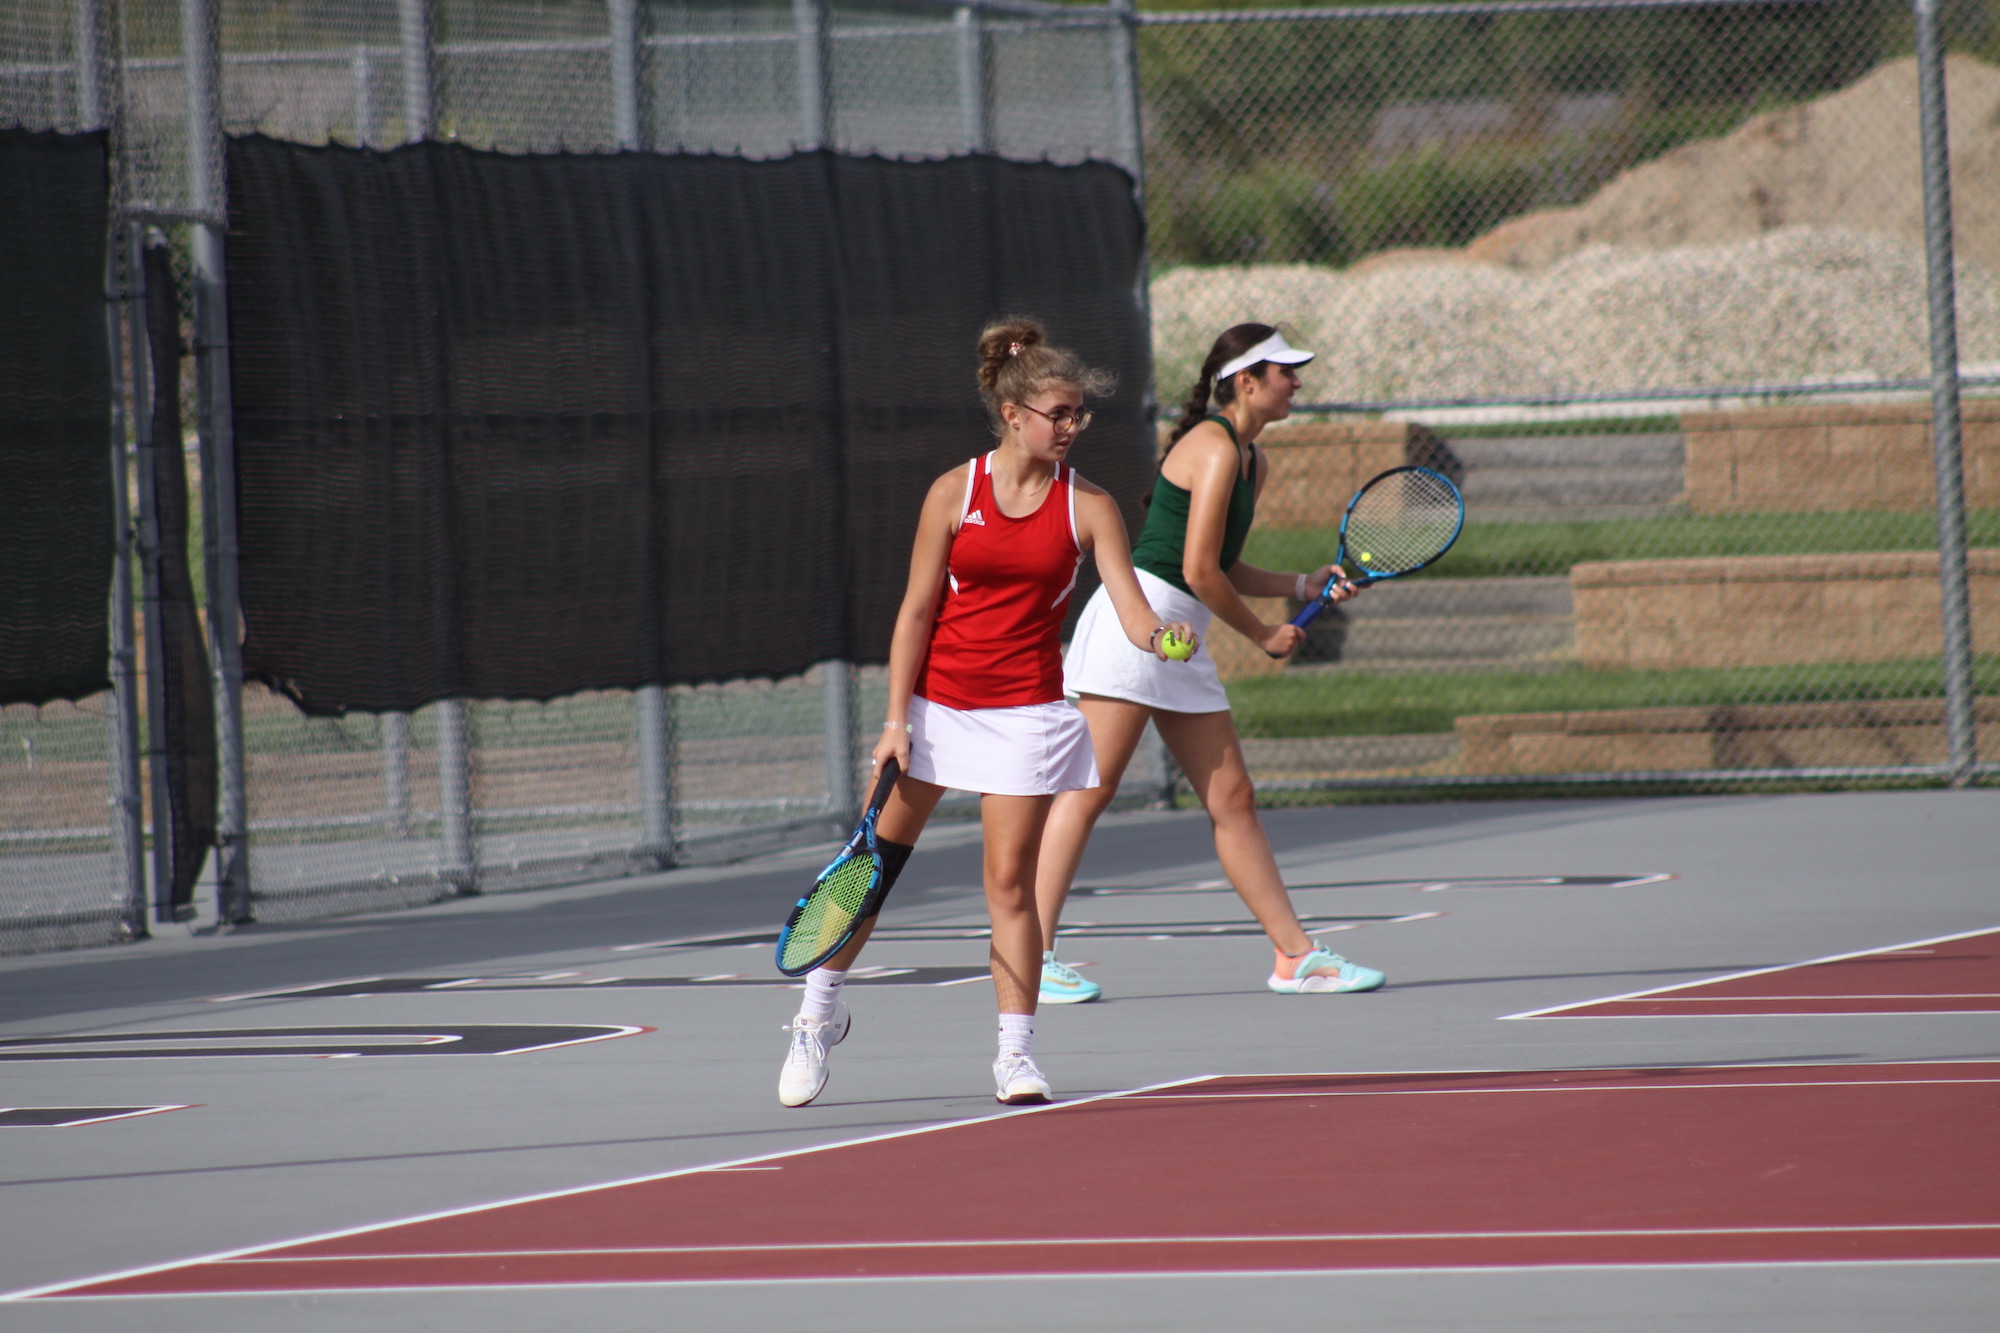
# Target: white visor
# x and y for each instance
(1273, 348)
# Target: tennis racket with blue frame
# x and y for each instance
(1398, 523)
(842, 897)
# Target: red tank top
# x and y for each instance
(996, 642)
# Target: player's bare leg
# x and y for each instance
(1115, 728)
(1014, 834)
(1013, 827)
(1211, 757)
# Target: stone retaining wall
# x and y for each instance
(1833, 458)
(1774, 610)
(1646, 740)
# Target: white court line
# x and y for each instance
(237, 1253)
(935, 1279)
(1573, 1087)
(221, 1256)
(1017, 1242)
(1742, 999)
(1557, 1009)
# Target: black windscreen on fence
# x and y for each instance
(56, 529)
(512, 427)
(187, 712)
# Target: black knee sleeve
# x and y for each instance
(895, 855)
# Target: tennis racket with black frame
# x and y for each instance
(841, 898)
(1401, 521)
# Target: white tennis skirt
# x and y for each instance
(1030, 750)
(1101, 660)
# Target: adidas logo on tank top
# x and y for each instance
(975, 517)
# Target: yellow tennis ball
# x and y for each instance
(1365, 557)
(1174, 646)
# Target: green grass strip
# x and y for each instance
(1307, 702)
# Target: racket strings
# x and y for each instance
(829, 910)
(1401, 522)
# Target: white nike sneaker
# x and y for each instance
(1017, 1082)
(804, 1074)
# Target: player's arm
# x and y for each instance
(929, 555)
(1100, 529)
(1250, 581)
(1212, 464)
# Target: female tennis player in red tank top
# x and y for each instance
(976, 679)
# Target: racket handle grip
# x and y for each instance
(1319, 603)
(890, 772)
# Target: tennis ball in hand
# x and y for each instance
(1174, 646)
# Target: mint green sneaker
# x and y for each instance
(1063, 984)
(1323, 972)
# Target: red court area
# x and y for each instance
(1741, 1164)
(1958, 974)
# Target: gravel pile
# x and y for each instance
(1789, 250)
(1801, 303)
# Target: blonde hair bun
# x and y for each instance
(1016, 362)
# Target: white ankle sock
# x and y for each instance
(1017, 1034)
(822, 989)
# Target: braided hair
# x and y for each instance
(1234, 342)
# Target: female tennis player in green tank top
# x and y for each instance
(1188, 562)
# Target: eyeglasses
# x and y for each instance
(1064, 419)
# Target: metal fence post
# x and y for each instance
(413, 28)
(396, 773)
(814, 81)
(1960, 729)
(128, 811)
(655, 710)
(93, 64)
(454, 752)
(972, 90)
(146, 460)
(363, 69)
(628, 120)
(201, 63)
(656, 775)
(1132, 153)
(1125, 91)
(837, 682)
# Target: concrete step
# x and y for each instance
(1302, 759)
(1505, 477)
(1448, 622)
(1422, 596)
(1484, 638)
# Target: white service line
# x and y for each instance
(1021, 1242)
(237, 1253)
(1557, 1009)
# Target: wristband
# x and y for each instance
(889, 725)
(1299, 590)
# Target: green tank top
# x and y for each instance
(1161, 548)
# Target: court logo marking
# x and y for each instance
(72, 1117)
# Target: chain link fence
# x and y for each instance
(1649, 278)
(365, 811)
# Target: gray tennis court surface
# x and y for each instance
(637, 1053)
